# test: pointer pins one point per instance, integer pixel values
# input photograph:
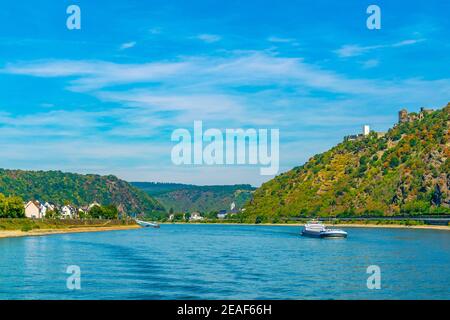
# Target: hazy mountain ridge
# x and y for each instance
(405, 171)
(189, 198)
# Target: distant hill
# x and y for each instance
(78, 189)
(189, 198)
(405, 171)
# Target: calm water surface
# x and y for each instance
(227, 262)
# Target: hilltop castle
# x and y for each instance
(404, 116)
(365, 133)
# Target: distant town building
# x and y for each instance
(93, 204)
(44, 208)
(49, 206)
(68, 212)
(195, 216)
(32, 210)
(222, 214)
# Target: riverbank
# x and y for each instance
(401, 226)
(340, 225)
(77, 229)
(21, 227)
(97, 228)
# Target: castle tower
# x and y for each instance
(403, 116)
(366, 130)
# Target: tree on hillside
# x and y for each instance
(104, 212)
(11, 207)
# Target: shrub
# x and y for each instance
(27, 228)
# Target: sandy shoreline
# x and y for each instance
(44, 232)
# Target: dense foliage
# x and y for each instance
(406, 171)
(104, 212)
(11, 207)
(79, 190)
(190, 198)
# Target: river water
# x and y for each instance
(226, 262)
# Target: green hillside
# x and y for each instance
(77, 189)
(406, 171)
(189, 198)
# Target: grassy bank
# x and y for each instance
(27, 225)
(11, 228)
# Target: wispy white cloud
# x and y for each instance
(244, 89)
(199, 73)
(215, 74)
(407, 42)
(52, 124)
(371, 63)
(155, 30)
(280, 40)
(356, 50)
(127, 45)
(97, 74)
(208, 38)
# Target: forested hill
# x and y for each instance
(405, 171)
(77, 189)
(189, 198)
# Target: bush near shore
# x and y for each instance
(31, 224)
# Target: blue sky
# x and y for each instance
(105, 99)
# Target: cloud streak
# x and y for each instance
(209, 38)
(196, 72)
(352, 50)
(127, 45)
(307, 102)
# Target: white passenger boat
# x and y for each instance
(146, 224)
(315, 228)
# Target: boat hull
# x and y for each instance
(334, 234)
(311, 234)
(325, 234)
(145, 224)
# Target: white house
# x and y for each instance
(222, 214)
(67, 212)
(93, 204)
(32, 209)
(42, 210)
(195, 216)
(49, 206)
